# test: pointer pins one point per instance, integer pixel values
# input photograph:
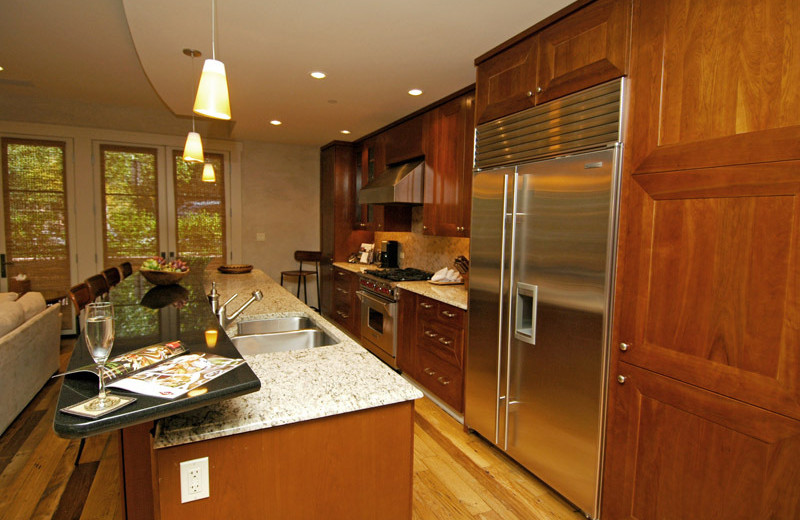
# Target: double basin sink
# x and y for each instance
(279, 335)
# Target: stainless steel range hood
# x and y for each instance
(401, 184)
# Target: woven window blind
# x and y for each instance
(34, 196)
(129, 176)
(200, 210)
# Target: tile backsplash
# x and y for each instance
(423, 251)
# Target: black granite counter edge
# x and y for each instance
(78, 387)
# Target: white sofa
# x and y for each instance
(30, 342)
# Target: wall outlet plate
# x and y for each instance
(194, 480)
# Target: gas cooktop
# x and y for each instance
(400, 275)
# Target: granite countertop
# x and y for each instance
(295, 386)
(455, 295)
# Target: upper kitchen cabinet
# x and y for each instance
(370, 163)
(404, 141)
(578, 50)
(448, 139)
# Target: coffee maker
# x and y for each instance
(389, 253)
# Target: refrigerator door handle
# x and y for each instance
(525, 323)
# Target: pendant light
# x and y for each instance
(208, 173)
(212, 92)
(193, 149)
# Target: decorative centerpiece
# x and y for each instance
(157, 271)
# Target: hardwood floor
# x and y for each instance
(456, 475)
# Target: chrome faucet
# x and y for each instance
(222, 311)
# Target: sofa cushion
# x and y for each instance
(8, 296)
(32, 304)
(11, 316)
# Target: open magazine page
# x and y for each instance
(134, 361)
(178, 376)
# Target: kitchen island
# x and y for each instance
(329, 434)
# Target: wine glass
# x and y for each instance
(99, 334)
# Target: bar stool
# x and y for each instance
(98, 286)
(303, 274)
(112, 276)
(126, 268)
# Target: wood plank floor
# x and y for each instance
(456, 475)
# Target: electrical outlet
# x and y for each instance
(194, 480)
(260, 237)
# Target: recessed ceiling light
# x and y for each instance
(415, 92)
(318, 75)
(275, 122)
(345, 132)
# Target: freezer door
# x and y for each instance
(484, 396)
(560, 293)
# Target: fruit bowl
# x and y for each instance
(162, 277)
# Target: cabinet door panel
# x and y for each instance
(717, 296)
(717, 83)
(506, 83)
(585, 49)
(696, 454)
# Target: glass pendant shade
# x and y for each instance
(193, 149)
(212, 92)
(208, 173)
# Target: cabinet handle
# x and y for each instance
(425, 228)
(443, 380)
(345, 315)
(529, 93)
(426, 305)
(624, 347)
(621, 379)
(539, 90)
(429, 371)
(445, 341)
(339, 273)
(343, 291)
(449, 314)
(430, 334)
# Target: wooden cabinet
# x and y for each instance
(585, 48)
(707, 306)
(431, 346)
(403, 142)
(346, 306)
(448, 142)
(337, 214)
(376, 217)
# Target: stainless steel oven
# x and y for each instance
(378, 326)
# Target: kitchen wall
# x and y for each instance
(280, 199)
(423, 251)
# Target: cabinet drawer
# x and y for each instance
(430, 309)
(443, 379)
(442, 341)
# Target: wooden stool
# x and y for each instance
(126, 268)
(112, 276)
(301, 274)
(98, 286)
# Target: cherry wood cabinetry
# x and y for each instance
(404, 141)
(431, 346)
(346, 308)
(579, 50)
(704, 413)
(376, 217)
(449, 143)
(337, 214)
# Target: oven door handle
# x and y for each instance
(373, 299)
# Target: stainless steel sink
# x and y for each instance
(282, 341)
(269, 325)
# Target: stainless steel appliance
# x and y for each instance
(378, 295)
(541, 284)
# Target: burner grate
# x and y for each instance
(400, 275)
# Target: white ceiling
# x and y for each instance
(118, 63)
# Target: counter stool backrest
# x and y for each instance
(80, 295)
(112, 276)
(126, 268)
(98, 286)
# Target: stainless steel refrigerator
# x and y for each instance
(541, 282)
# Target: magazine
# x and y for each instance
(178, 376)
(134, 361)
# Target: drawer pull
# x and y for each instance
(426, 305)
(429, 371)
(443, 380)
(431, 334)
(445, 341)
(449, 314)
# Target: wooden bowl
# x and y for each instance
(163, 277)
